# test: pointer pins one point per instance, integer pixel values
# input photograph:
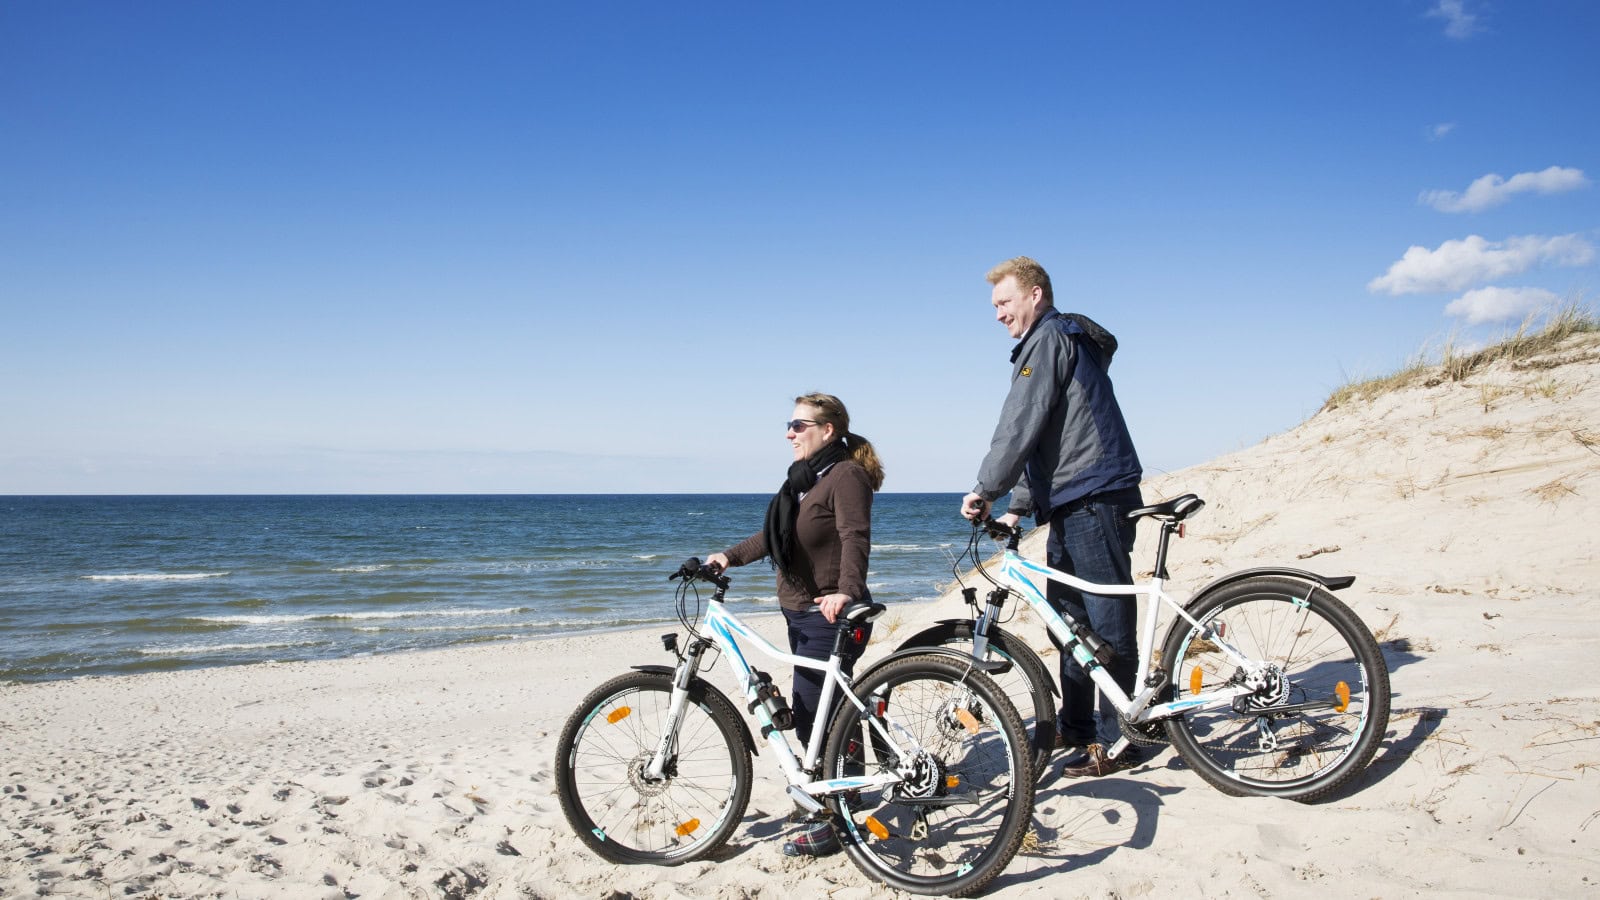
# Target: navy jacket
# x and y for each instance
(1061, 435)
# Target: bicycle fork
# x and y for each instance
(688, 664)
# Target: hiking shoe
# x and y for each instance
(817, 840)
(1096, 763)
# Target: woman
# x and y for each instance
(818, 534)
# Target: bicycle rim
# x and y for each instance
(958, 819)
(608, 797)
(1322, 711)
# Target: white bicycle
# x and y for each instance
(923, 767)
(1265, 683)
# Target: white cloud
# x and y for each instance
(1473, 260)
(1500, 304)
(1438, 131)
(1458, 23)
(1492, 190)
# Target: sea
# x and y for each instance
(93, 586)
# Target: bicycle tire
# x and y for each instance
(1028, 685)
(957, 824)
(615, 809)
(1319, 718)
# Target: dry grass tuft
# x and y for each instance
(1456, 366)
(1552, 491)
(1371, 388)
(1547, 388)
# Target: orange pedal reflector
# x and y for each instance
(1343, 690)
(618, 714)
(877, 828)
(688, 827)
(967, 720)
(951, 782)
(1195, 679)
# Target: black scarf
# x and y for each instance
(785, 504)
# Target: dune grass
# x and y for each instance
(1454, 365)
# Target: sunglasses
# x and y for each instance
(799, 425)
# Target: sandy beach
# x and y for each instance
(1467, 510)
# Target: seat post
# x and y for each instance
(1167, 528)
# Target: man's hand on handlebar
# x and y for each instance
(718, 561)
(974, 507)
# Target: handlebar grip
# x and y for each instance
(692, 569)
(689, 569)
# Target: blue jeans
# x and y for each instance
(811, 636)
(1094, 541)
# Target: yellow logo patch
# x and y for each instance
(1026, 371)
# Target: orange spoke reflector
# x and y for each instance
(1195, 679)
(877, 828)
(688, 827)
(967, 720)
(618, 714)
(1343, 691)
(951, 782)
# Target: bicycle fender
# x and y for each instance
(921, 640)
(985, 667)
(700, 684)
(1332, 583)
(926, 632)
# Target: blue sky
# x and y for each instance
(513, 247)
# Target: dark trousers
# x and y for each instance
(1093, 540)
(811, 636)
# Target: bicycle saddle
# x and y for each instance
(1174, 510)
(856, 611)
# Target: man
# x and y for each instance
(1063, 451)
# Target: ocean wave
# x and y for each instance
(158, 576)
(285, 619)
(542, 625)
(197, 649)
(358, 569)
(908, 548)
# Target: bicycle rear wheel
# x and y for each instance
(1028, 684)
(613, 804)
(963, 807)
(1319, 710)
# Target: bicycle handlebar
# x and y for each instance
(692, 568)
(997, 529)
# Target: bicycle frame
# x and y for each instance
(725, 629)
(1015, 572)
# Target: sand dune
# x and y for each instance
(1467, 510)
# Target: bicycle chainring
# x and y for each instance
(1143, 734)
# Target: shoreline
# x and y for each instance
(429, 774)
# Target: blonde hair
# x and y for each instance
(831, 411)
(1029, 275)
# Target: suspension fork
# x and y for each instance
(666, 748)
(985, 619)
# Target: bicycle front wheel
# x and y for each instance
(1027, 684)
(617, 807)
(1319, 704)
(965, 798)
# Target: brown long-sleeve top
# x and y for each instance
(833, 535)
